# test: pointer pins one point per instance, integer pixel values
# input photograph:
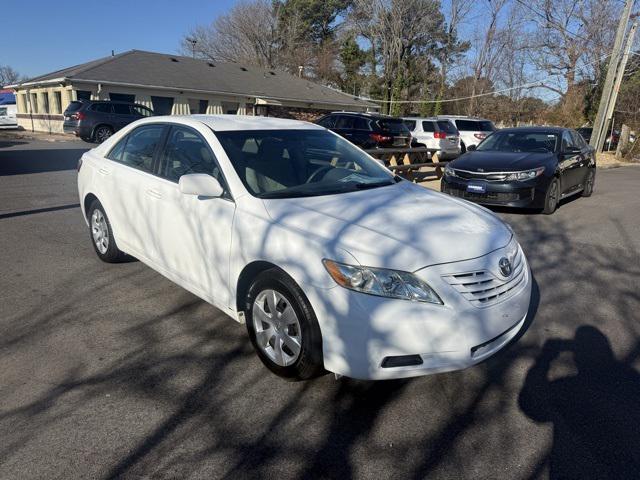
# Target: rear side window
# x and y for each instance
(487, 126)
(428, 126)
(468, 125)
(327, 122)
(101, 107)
(447, 126)
(360, 123)
(186, 152)
(141, 111)
(139, 148)
(3, 111)
(121, 109)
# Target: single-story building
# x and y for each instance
(176, 85)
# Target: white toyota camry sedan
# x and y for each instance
(333, 263)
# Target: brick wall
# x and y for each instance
(296, 113)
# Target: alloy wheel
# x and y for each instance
(100, 231)
(277, 328)
(102, 134)
(553, 195)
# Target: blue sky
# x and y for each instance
(49, 35)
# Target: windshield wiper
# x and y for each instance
(365, 185)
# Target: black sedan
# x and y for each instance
(524, 167)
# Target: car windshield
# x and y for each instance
(300, 163)
(520, 142)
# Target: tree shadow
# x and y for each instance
(595, 412)
(38, 160)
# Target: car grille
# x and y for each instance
(503, 197)
(482, 288)
(489, 177)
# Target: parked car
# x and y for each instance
(97, 120)
(472, 130)
(524, 167)
(325, 255)
(434, 133)
(368, 130)
(8, 116)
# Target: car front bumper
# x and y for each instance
(361, 333)
(528, 194)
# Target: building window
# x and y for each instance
(198, 106)
(25, 103)
(230, 108)
(122, 97)
(57, 102)
(45, 102)
(34, 103)
(162, 105)
(83, 95)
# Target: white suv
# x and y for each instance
(472, 130)
(325, 255)
(435, 133)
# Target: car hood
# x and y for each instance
(402, 226)
(501, 161)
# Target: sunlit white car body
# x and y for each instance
(207, 245)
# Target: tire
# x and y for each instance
(101, 235)
(101, 133)
(551, 197)
(589, 183)
(274, 342)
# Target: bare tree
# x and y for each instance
(8, 75)
(247, 34)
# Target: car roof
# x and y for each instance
(429, 119)
(459, 117)
(537, 129)
(368, 114)
(241, 122)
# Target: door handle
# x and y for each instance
(154, 193)
(104, 171)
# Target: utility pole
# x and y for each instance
(600, 124)
(623, 66)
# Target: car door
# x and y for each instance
(570, 161)
(585, 160)
(193, 233)
(122, 115)
(428, 135)
(344, 127)
(129, 182)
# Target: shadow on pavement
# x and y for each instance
(38, 160)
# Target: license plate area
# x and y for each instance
(476, 187)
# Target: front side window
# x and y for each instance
(328, 121)
(186, 152)
(567, 141)
(300, 163)
(504, 141)
(101, 107)
(344, 121)
(139, 147)
(3, 111)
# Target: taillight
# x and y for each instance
(379, 138)
(79, 164)
(480, 136)
(440, 135)
(78, 116)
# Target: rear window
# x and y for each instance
(475, 125)
(393, 126)
(411, 124)
(448, 127)
(74, 106)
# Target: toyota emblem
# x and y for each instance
(505, 266)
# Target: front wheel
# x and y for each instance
(283, 327)
(589, 183)
(552, 197)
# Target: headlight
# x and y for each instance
(449, 172)
(526, 174)
(381, 282)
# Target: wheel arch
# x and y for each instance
(89, 198)
(246, 276)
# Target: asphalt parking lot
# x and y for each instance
(112, 371)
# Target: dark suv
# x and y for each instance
(368, 130)
(95, 121)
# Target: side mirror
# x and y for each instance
(200, 184)
(471, 148)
